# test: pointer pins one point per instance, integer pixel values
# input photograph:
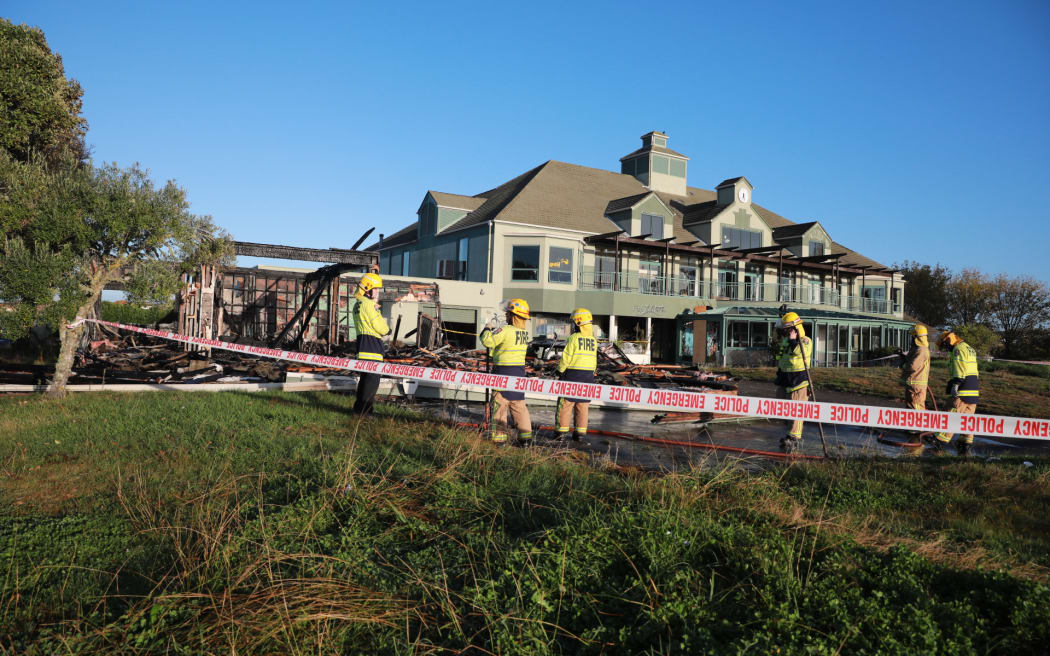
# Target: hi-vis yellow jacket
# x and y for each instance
(791, 369)
(506, 345)
(580, 354)
(791, 356)
(370, 327)
(962, 367)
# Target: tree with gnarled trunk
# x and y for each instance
(1016, 308)
(69, 233)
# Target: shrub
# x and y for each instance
(134, 314)
(982, 338)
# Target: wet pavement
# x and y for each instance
(725, 436)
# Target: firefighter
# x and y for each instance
(962, 386)
(507, 346)
(578, 362)
(792, 379)
(371, 328)
(915, 370)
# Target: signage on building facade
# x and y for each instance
(649, 309)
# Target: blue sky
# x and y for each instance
(912, 131)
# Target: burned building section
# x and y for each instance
(305, 310)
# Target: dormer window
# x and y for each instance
(816, 248)
(653, 225)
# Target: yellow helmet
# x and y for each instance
(790, 319)
(919, 330)
(948, 340)
(370, 281)
(518, 307)
(582, 317)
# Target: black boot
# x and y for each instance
(789, 444)
(963, 449)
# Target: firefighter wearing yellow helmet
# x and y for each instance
(796, 352)
(963, 386)
(915, 370)
(371, 328)
(507, 346)
(578, 362)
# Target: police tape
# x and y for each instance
(655, 399)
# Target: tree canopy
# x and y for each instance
(39, 107)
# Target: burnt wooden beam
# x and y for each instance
(333, 255)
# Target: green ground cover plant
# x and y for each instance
(276, 523)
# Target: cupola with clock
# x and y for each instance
(734, 190)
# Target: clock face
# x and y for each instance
(743, 195)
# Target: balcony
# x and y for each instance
(654, 285)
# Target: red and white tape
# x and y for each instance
(656, 399)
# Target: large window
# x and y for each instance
(741, 238)
(727, 279)
(649, 277)
(464, 250)
(816, 248)
(604, 269)
(687, 277)
(560, 265)
(653, 225)
(525, 263)
(753, 282)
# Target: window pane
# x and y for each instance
(653, 224)
(406, 268)
(660, 164)
(525, 263)
(560, 265)
(737, 334)
(677, 168)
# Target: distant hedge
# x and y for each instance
(124, 313)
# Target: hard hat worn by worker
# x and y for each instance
(919, 334)
(948, 340)
(582, 317)
(518, 307)
(370, 281)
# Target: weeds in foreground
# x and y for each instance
(276, 524)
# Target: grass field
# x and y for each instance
(1018, 390)
(275, 524)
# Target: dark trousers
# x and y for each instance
(367, 385)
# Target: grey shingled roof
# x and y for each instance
(729, 181)
(789, 231)
(560, 195)
(625, 203)
(653, 149)
(456, 201)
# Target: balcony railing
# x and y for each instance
(643, 283)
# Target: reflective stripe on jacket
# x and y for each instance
(791, 356)
(370, 327)
(581, 353)
(507, 345)
(916, 369)
(962, 366)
